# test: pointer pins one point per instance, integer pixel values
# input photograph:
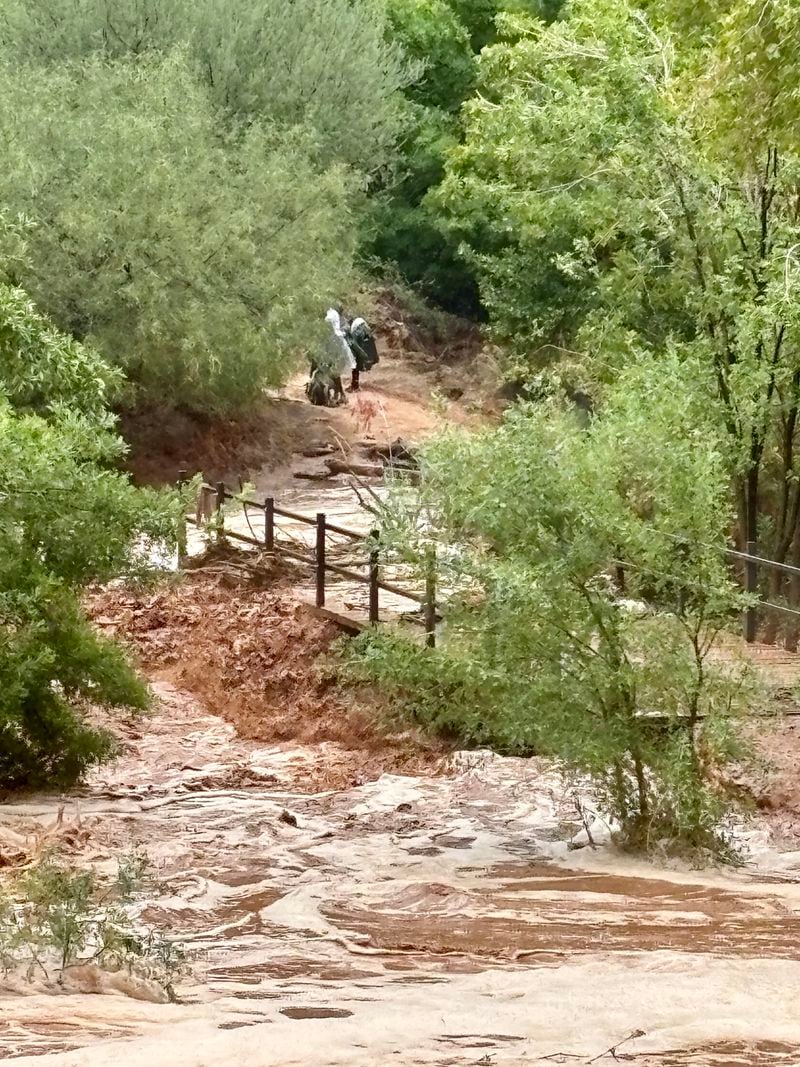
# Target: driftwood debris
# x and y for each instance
(397, 454)
(317, 453)
(312, 476)
(362, 470)
(372, 462)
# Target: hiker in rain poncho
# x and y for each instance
(364, 349)
(329, 363)
(342, 360)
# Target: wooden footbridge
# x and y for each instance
(330, 551)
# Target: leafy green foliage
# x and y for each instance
(67, 518)
(435, 38)
(543, 652)
(405, 231)
(613, 201)
(556, 151)
(328, 65)
(42, 370)
(445, 38)
(181, 253)
(752, 80)
(54, 917)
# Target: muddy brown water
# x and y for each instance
(561, 915)
(407, 921)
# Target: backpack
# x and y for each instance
(318, 389)
(364, 347)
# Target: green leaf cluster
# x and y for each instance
(55, 916)
(587, 589)
(445, 38)
(67, 519)
(628, 184)
(329, 66)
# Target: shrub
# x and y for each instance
(67, 518)
(542, 651)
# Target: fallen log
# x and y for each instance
(317, 453)
(397, 453)
(308, 476)
(361, 470)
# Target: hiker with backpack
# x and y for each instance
(341, 358)
(364, 349)
(350, 348)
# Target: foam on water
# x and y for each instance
(409, 921)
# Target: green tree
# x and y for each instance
(439, 43)
(541, 652)
(613, 203)
(480, 16)
(66, 519)
(402, 228)
(445, 39)
(327, 65)
(194, 258)
(566, 116)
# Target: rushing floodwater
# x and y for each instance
(409, 921)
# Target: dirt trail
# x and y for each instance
(411, 920)
(426, 375)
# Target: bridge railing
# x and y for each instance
(319, 558)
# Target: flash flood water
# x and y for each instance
(441, 920)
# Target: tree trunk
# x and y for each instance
(771, 626)
(641, 787)
(793, 628)
(751, 504)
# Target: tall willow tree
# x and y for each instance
(194, 258)
(193, 174)
(328, 65)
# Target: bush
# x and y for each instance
(54, 916)
(330, 66)
(67, 518)
(542, 651)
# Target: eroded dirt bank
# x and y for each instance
(410, 920)
(256, 656)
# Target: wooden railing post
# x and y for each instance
(430, 597)
(269, 524)
(374, 578)
(751, 586)
(320, 559)
(183, 477)
(220, 513)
